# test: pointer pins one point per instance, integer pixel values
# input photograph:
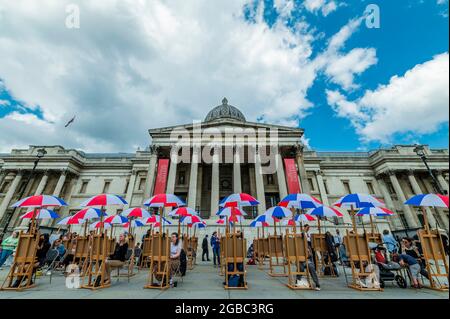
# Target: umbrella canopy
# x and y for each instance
(183, 211)
(304, 218)
(198, 225)
(137, 212)
(290, 222)
(40, 201)
(70, 220)
(134, 223)
(359, 201)
(266, 218)
(239, 199)
(155, 219)
(40, 214)
(258, 224)
(89, 213)
(116, 219)
(231, 211)
(100, 225)
(300, 201)
(191, 219)
(325, 211)
(375, 211)
(165, 223)
(433, 200)
(104, 200)
(164, 200)
(278, 212)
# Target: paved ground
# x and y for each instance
(204, 282)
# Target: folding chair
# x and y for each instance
(129, 265)
(50, 263)
(146, 252)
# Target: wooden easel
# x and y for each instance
(276, 251)
(296, 254)
(358, 252)
(235, 254)
(96, 266)
(81, 255)
(433, 250)
(160, 254)
(24, 261)
(375, 238)
(319, 245)
(222, 256)
(146, 252)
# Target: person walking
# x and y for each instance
(215, 244)
(205, 250)
(8, 247)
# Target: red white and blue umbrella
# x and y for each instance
(191, 219)
(165, 223)
(155, 219)
(134, 223)
(89, 213)
(198, 225)
(359, 201)
(304, 218)
(278, 212)
(325, 211)
(266, 219)
(221, 221)
(300, 201)
(116, 219)
(137, 212)
(432, 200)
(70, 220)
(183, 211)
(290, 222)
(258, 224)
(231, 211)
(375, 211)
(104, 200)
(40, 214)
(164, 200)
(40, 201)
(238, 200)
(102, 225)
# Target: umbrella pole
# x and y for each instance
(85, 227)
(179, 226)
(318, 225)
(275, 226)
(161, 220)
(293, 219)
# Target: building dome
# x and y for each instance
(225, 111)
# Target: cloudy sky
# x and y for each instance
(135, 65)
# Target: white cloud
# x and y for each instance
(135, 65)
(323, 6)
(415, 103)
(4, 103)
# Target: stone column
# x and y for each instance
(192, 194)
(2, 176)
(57, 193)
(259, 184)
(11, 191)
(389, 202)
(282, 188)
(302, 170)
(320, 183)
(215, 183)
(149, 182)
(441, 180)
(42, 184)
(172, 171)
(417, 190)
(409, 214)
(237, 184)
(130, 190)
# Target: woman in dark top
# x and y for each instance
(117, 259)
(43, 248)
(410, 249)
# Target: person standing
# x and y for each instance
(8, 247)
(215, 244)
(205, 250)
(390, 242)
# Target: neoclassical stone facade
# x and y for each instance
(214, 164)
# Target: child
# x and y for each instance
(414, 267)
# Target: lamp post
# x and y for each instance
(419, 150)
(40, 154)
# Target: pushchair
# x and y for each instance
(388, 273)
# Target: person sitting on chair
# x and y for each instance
(117, 259)
(43, 248)
(57, 244)
(410, 249)
(312, 272)
(380, 257)
(175, 251)
(8, 245)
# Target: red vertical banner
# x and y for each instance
(161, 176)
(292, 176)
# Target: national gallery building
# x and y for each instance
(203, 162)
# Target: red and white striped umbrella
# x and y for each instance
(231, 211)
(290, 222)
(70, 220)
(134, 223)
(164, 200)
(325, 211)
(183, 211)
(100, 225)
(40, 201)
(116, 219)
(89, 213)
(359, 201)
(428, 200)
(375, 211)
(155, 219)
(304, 218)
(137, 212)
(300, 201)
(238, 200)
(104, 200)
(191, 219)
(40, 214)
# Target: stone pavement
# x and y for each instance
(204, 282)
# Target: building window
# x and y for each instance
(106, 186)
(84, 185)
(311, 184)
(325, 184)
(142, 183)
(270, 179)
(401, 214)
(347, 187)
(5, 187)
(181, 178)
(127, 184)
(370, 187)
